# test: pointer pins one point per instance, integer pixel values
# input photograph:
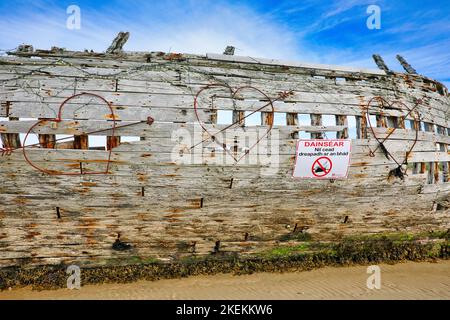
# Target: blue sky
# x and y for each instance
(331, 32)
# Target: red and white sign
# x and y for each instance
(322, 159)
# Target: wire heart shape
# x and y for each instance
(383, 104)
(233, 94)
(59, 118)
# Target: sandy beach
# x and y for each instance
(401, 281)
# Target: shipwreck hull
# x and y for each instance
(171, 191)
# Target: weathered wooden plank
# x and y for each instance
(56, 84)
(296, 96)
(408, 135)
(331, 99)
(153, 72)
(258, 157)
(188, 183)
(240, 66)
(132, 128)
(140, 174)
(178, 94)
(307, 84)
(252, 60)
(162, 139)
(72, 207)
(98, 112)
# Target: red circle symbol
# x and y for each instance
(322, 167)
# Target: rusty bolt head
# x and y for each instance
(150, 121)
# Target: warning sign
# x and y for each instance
(322, 159)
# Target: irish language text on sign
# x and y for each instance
(322, 159)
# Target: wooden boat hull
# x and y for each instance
(173, 191)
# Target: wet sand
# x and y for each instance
(401, 281)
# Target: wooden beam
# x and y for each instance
(432, 170)
(238, 117)
(401, 122)
(292, 120)
(381, 64)
(11, 140)
(406, 65)
(381, 121)
(118, 43)
(229, 51)
(267, 118)
(436, 172)
(112, 142)
(81, 142)
(444, 148)
(342, 121)
(316, 120)
(417, 166)
(361, 126)
(47, 141)
(252, 60)
(213, 111)
(393, 122)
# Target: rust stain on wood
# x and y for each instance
(89, 184)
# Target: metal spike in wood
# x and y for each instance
(380, 63)
(406, 65)
(118, 43)
(229, 51)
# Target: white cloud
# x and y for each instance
(430, 60)
(201, 27)
(208, 29)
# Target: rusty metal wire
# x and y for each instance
(399, 171)
(59, 119)
(233, 93)
(6, 151)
